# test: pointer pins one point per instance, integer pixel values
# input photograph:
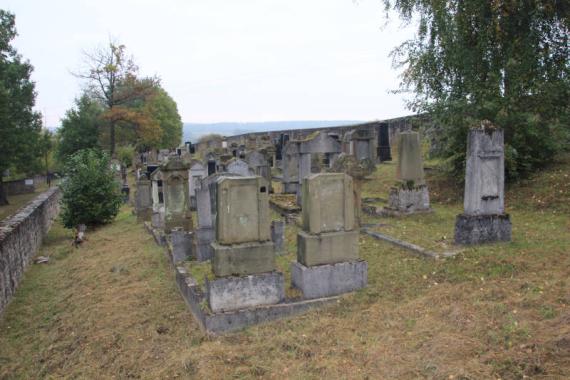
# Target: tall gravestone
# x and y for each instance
(258, 162)
(484, 219)
(198, 171)
(290, 163)
(176, 199)
(410, 195)
(143, 199)
(156, 180)
(327, 248)
(243, 253)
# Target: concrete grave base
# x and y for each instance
(327, 248)
(235, 293)
(478, 229)
(329, 280)
(181, 242)
(157, 219)
(290, 188)
(203, 238)
(407, 201)
(222, 322)
(242, 259)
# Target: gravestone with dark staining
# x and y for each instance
(157, 217)
(143, 199)
(176, 197)
(290, 163)
(484, 219)
(243, 253)
(328, 263)
(410, 195)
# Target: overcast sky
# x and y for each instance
(225, 60)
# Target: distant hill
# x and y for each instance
(193, 131)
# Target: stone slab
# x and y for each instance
(216, 323)
(327, 248)
(409, 201)
(243, 259)
(329, 280)
(478, 229)
(181, 242)
(203, 238)
(235, 293)
(278, 234)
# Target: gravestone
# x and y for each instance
(361, 143)
(197, 173)
(143, 199)
(278, 235)
(157, 217)
(484, 219)
(239, 166)
(176, 199)
(206, 201)
(410, 195)
(290, 163)
(327, 248)
(243, 253)
(384, 153)
(258, 162)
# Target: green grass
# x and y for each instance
(111, 309)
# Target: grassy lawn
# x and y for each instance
(19, 201)
(110, 309)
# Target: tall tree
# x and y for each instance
(504, 61)
(112, 78)
(20, 126)
(80, 127)
(162, 108)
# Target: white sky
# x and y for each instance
(225, 60)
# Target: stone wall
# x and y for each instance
(21, 236)
(19, 186)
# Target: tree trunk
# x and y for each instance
(112, 138)
(3, 197)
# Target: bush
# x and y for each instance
(91, 194)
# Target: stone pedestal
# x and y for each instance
(327, 248)
(181, 245)
(330, 279)
(242, 259)
(235, 293)
(157, 219)
(477, 229)
(408, 201)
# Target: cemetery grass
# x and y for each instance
(111, 309)
(16, 202)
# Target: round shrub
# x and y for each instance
(90, 192)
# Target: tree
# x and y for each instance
(112, 79)
(503, 61)
(164, 110)
(20, 125)
(90, 192)
(80, 127)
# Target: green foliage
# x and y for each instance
(125, 155)
(210, 137)
(164, 110)
(80, 127)
(20, 125)
(506, 62)
(90, 192)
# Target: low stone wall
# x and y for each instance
(19, 186)
(21, 236)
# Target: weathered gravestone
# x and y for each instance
(361, 143)
(157, 218)
(484, 219)
(260, 166)
(206, 201)
(176, 200)
(290, 163)
(243, 253)
(239, 166)
(327, 248)
(143, 199)
(410, 195)
(197, 172)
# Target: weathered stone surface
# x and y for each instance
(327, 248)
(328, 203)
(478, 229)
(21, 235)
(181, 244)
(242, 210)
(330, 279)
(197, 173)
(157, 218)
(409, 201)
(143, 199)
(278, 234)
(410, 167)
(242, 259)
(485, 172)
(234, 293)
(290, 165)
(203, 238)
(240, 167)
